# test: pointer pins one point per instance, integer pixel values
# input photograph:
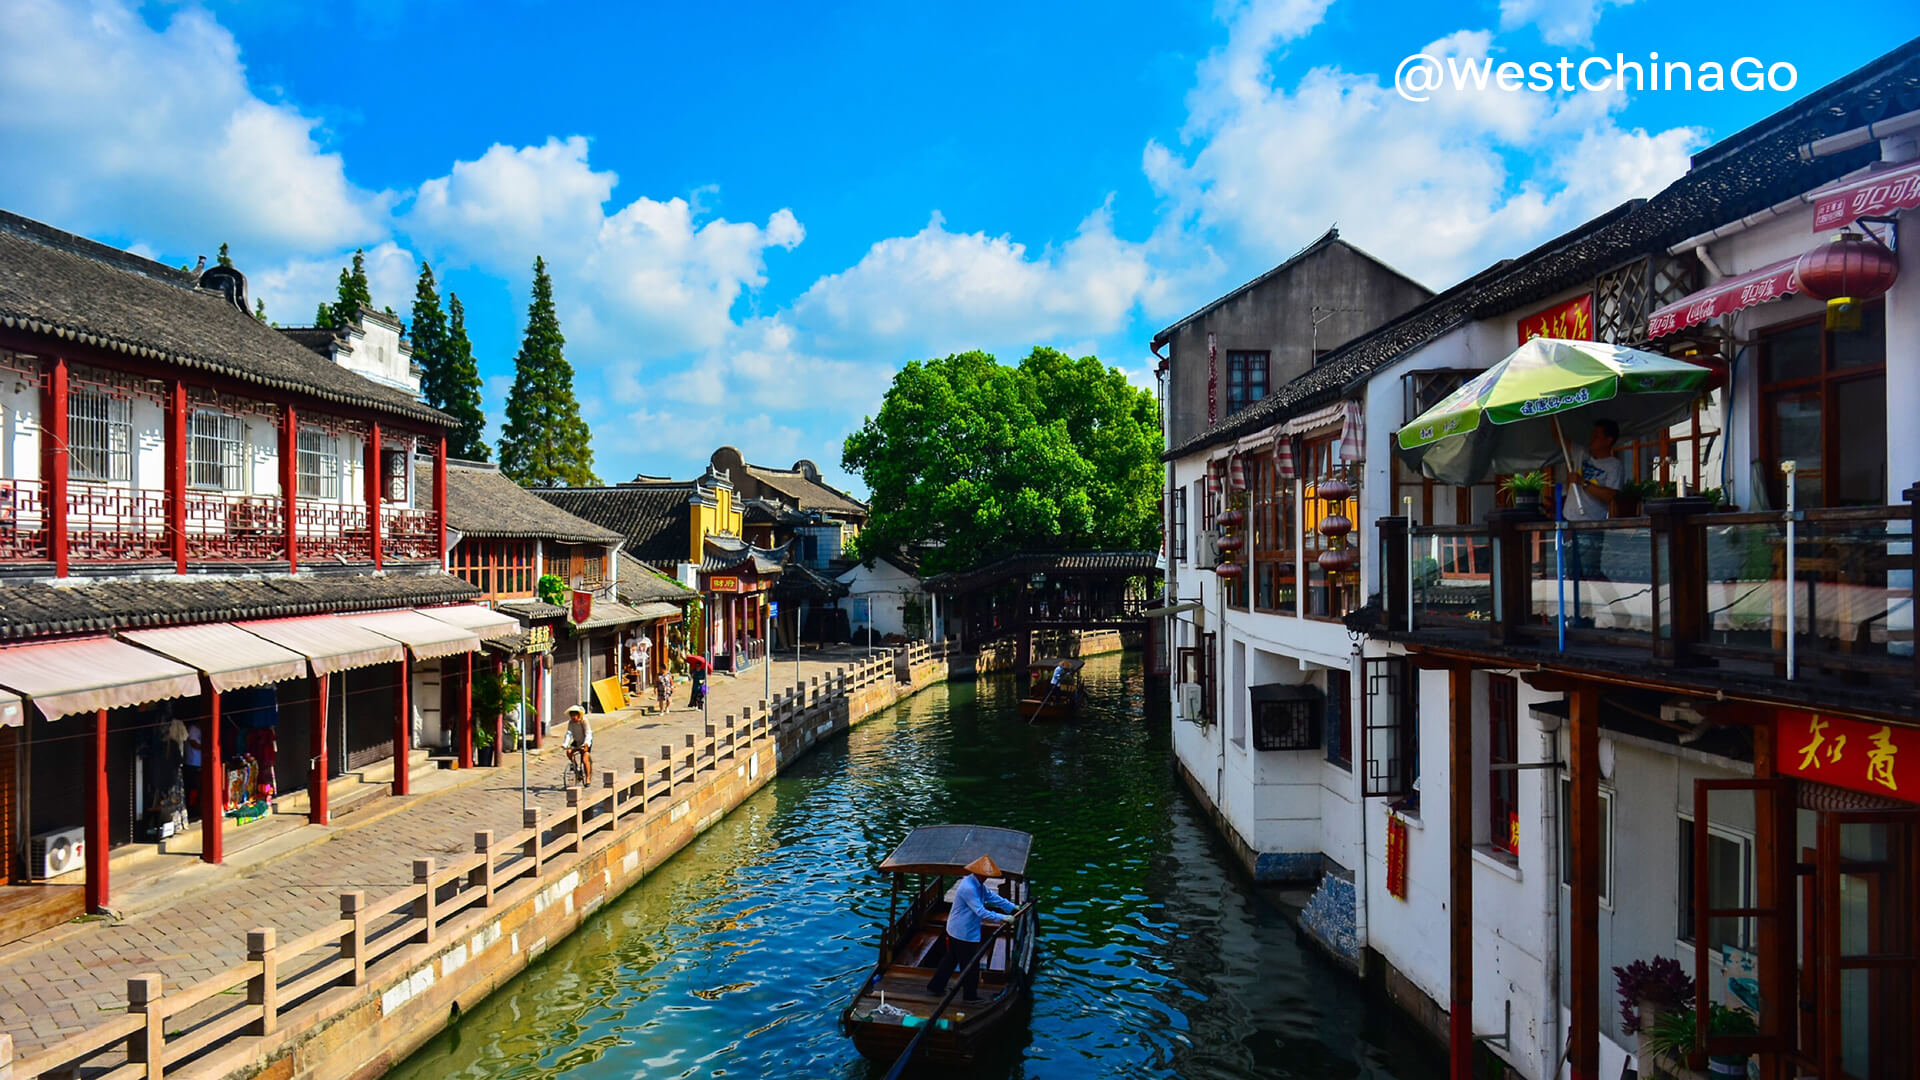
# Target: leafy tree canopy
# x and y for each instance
(985, 459)
(545, 442)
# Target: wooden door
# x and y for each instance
(1868, 944)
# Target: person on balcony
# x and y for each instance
(1595, 481)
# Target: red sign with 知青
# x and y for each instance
(1878, 758)
(1573, 319)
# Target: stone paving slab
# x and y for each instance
(65, 980)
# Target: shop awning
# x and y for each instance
(658, 609)
(1873, 195)
(489, 625)
(424, 637)
(1769, 283)
(67, 677)
(11, 713)
(230, 657)
(607, 613)
(329, 642)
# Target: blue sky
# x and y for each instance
(755, 214)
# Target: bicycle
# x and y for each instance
(575, 774)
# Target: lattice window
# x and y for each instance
(216, 452)
(1246, 379)
(99, 437)
(1422, 390)
(1339, 738)
(1623, 298)
(1390, 729)
(1179, 529)
(317, 469)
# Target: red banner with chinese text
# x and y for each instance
(1396, 857)
(1855, 754)
(1573, 319)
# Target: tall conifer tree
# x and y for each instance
(461, 383)
(545, 442)
(354, 292)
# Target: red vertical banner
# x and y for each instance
(1213, 378)
(1396, 857)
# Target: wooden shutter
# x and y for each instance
(1772, 912)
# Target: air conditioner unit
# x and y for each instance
(1192, 703)
(61, 851)
(1208, 555)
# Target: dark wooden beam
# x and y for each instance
(1583, 917)
(1460, 872)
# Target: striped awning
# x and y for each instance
(12, 714)
(66, 677)
(426, 638)
(488, 624)
(329, 642)
(229, 656)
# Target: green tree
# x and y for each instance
(458, 388)
(985, 459)
(224, 259)
(354, 292)
(260, 310)
(323, 315)
(545, 442)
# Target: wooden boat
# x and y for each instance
(1044, 701)
(892, 1005)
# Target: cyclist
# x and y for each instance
(579, 741)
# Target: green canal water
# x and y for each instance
(736, 956)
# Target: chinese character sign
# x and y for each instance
(1878, 758)
(1573, 319)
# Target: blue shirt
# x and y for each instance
(971, 901)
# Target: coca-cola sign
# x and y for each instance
(1760, 286)
(1875, 195)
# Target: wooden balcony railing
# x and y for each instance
(1688, 586)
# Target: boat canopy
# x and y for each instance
(1072, 664)
(947, 849)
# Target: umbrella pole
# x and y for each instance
(1560, 574)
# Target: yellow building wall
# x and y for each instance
(722, 519)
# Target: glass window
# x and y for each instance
(1339, 736)
(1503, 748)
(1246, 379)
(1273, 533)
(216, 452)
(99, 437)
(1729, 884)
(1328, 595)
(1606, 839)
(1823, 405)
(1179, 529)
(318, 466)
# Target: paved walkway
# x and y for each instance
(71, 977)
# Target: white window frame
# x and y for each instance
(216, 446)
(317, 465)
(1565, 795)
(1745, 842)
(99, 431)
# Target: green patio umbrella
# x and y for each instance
(1509, 417)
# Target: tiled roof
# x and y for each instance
(531, 609)
(725, 554)
(482, 502)
(807, 494)
(802, 581)
(1045, 562)
(35, 610)
(1327, 239)
(653, 516)
(69, 287)
(1744, 174)
(640, 585)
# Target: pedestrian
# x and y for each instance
(974, 907)
(1591, 492)
(663, 688)
(697, 670)
(190, 771)
(642, 661)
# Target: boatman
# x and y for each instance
(1059, 672)
(973, 905)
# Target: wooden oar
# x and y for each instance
(979, 954)
(1043, 704)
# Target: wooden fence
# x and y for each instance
(164, 1031)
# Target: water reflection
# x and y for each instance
(735, 958)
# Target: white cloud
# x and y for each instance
(939, 291)
(657, 270)
(1425, 185)
(1561, 22)
(114, 127)
(293, 289)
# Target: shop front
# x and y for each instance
(738, 618)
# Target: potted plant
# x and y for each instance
(1525, 489)
(496, 692)
(1673, 1039)
(1648, 991)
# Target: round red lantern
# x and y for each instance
(1231, 519)
(1333, 490)
(1852, 266)
(1338, 560)
(1231, 543)
(1335, 526)
(1230, 570)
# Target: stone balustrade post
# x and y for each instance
(482, 875)
(423, 905)
(353, 940)
(144, 1047)
(613, 799)
(263, 989)
(530, 819)
(575, 809)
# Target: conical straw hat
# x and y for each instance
(984, 866)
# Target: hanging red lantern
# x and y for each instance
(1335, 526)
(1231, 542)
(1338, 560)
(1230, 570)
(1334, 490)
(1232, 519)
(1851, 267)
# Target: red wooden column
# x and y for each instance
(402, 728)
(213, 781)
(374, 495)
(440, 501)
(290, 484)
(97, 842)
(1460, 871)
(176, 481)
(53, 462)
(466, 716)
(533, 704)
(1583, 917)
(317, 751)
